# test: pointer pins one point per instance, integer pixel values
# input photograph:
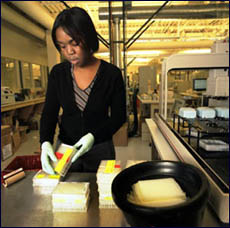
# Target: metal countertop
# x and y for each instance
(21, 207)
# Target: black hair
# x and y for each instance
(77, 23)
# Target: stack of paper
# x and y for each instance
(157, 193)
(71, 196)
(44, 183)
(106, 172)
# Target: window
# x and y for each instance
(26, 75)
(36, 73)
(18, 75)
(10, 73)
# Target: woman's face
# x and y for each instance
(71, 50)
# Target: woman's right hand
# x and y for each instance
(47, 152)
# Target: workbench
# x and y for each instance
(23, 109)
(22, 207)
(154, 105)
(22, 104)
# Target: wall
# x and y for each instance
(20, 45)
(146, 73)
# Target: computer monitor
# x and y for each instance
(26, 92)
(199, 84)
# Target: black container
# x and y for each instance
(191, 179)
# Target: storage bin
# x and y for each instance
(27, 162)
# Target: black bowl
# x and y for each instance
(191, 179)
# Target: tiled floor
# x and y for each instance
(136, 149)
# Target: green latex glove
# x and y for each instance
(85, 144)
(47, 152)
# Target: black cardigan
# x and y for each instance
(107, 93)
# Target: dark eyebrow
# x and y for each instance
(69, 42)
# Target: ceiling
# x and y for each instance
(166, 36)
(161, 33)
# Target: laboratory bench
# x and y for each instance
(21, 110)
(22, 207)
(154, 105)
(22, 104)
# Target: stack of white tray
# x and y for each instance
(106, 172)
(214, 145)
(71, 196)
(44, 183)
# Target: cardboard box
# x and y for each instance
(16, 140)
(5, 130)
(26, 113)
(120, 138)
(22, 130)
(7, 120)
(34, 123)
(6, 147)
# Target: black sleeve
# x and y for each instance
(118, 110)
(50, 112)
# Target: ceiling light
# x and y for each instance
(139, 59)
(104, 54)
(142, 60)
(196, 51)
(146, 52)
(131, 53)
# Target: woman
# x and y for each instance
(90, 91)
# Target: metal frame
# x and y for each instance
(188, 61)
(219, 200)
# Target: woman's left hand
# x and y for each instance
(84, 145)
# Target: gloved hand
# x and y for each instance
(86, 143)
(47, 152)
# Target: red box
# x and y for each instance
(27, 162)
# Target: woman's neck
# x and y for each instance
(91, 64)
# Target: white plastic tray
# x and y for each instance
(214, 145)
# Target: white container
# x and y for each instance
(7, 96)
(213, 145)
(7, 99)
(206, 112)
(187, 112)
(71, 196)
(222, 112)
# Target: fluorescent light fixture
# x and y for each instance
(143, 60)
(146, 52)
(102, 54)
(196, 51)
(131, 53)
(147, 41)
